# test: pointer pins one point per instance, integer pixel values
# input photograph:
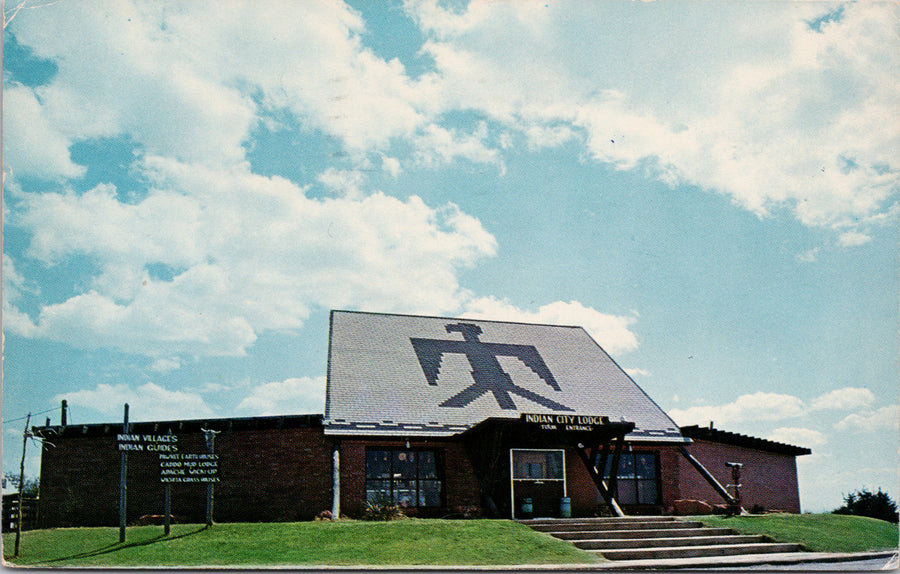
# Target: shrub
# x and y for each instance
(866, 503)
(381, 509)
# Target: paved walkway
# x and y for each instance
(784, 561)
(833, 561)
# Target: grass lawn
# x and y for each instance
(817, 532)
(343, 543)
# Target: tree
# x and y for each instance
(866, 503)
(30, 489)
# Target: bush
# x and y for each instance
(866, 503)
(381, 509)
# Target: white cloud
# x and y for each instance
(147, 402)
(758, 406)
(343, 183)
(291, 396)
(165, 365)
(14, 285)
(885, 418)
(847, 398)
(765, 109)
(798, 436)
(808, 256)
(775, 114)
(610, 331)
(763, 406)
(853, 239)
(391, 165)
(247, 254)
(39, 148)
(438, 145)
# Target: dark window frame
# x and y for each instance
(634, 480)
(396, 477)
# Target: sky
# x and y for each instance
(709, 188)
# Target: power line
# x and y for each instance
(29, 415)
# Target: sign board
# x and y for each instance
(188, 468)
(565, 423)
(147, 442)
(174, 466)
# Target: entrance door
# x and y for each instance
(539, 475)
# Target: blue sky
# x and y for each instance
(710, 188)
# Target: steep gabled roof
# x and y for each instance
(402, 375)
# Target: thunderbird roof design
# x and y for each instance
(403, 375)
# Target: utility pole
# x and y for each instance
(25, 436)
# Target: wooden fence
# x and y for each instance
(11, 512)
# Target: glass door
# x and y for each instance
(537, 476)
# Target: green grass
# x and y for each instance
(342, 543)
(817, 532)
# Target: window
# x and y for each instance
(404, 477)
(637, 481)
(537, 464)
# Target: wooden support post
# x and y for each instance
(123, 482)
(598, 479)
(709, 477)
(614, 466)
(167, 509)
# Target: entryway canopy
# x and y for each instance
(593, 438)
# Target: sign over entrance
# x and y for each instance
(565, 423)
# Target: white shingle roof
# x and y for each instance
(401, 375)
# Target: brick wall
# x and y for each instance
(769, 479)
(271, 475)
(460, 486)
(285, 474)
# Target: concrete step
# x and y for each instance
(610, 544)
(561, 526)
(696, 551)
(646, 533)
(600, 520)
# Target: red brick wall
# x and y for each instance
(286, 474)
(580, 487)
(585, 497)
(460, 486)
(769, 479)
(271, 475)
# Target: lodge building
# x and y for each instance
(440, 416)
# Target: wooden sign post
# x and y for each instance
(175, 466)
(210, 450)
(123, 481)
